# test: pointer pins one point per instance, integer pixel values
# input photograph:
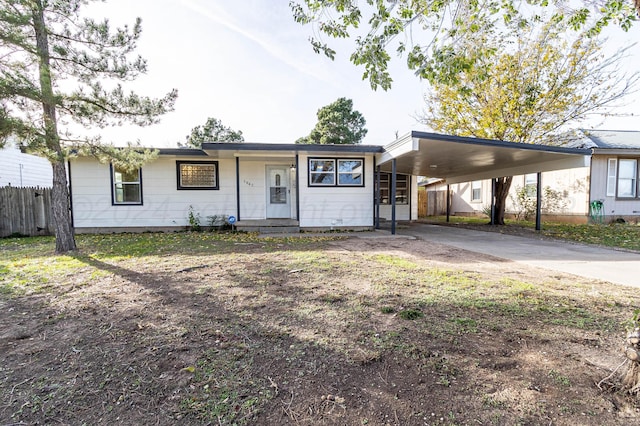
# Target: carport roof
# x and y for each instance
(463, 159)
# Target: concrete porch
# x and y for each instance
(269, 226)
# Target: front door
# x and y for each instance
(278, 204)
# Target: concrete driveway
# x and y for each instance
(615, 266)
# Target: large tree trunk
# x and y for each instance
(502, 191)
(65, 240)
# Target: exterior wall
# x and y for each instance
(23, 170)
(163, 205)
(253, 187)
(404, 211)
(573, 184)
(336, 206)
(613, 207)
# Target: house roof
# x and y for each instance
(190, 152)
(225, 150)
(607, 141)
(463, 159)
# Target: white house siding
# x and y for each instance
(253, 186)
(573, 185)
(612, 207)
(23, 170)
(336, 206)
(253, 195)
(163, 205)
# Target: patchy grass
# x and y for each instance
(232, 329)
(619, 235)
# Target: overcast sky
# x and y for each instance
(247, 63)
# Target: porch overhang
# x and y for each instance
(462, 159)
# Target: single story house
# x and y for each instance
(311, 187)
(604, 189)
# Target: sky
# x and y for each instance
(249, 64)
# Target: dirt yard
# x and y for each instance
(303, 331)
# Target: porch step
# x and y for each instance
(269, 226)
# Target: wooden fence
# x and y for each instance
(25, 211)
(422, 202)
(436, 203)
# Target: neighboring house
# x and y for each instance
(474, 198)
(315, 187)
(23, 170)
(615, 172)
(611, 179)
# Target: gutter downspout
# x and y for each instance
(297, 189)
(377, 199)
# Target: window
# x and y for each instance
(476, 190)
(627, 172)
(336, 172)
(402, 189)
(197, 174)
(126, 186)
(531, 184)
(350, 172)
(612, 169)
(322, 172)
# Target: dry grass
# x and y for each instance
(235, 329)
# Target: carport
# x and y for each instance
(462, 159)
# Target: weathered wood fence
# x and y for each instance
(25, 211)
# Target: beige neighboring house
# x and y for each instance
(604, 191)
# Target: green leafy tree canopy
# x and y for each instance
(539, 85)
(61, 71)
(337, 123)
(425, 30)
(212, 131)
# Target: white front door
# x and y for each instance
(278, 195)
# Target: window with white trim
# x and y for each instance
(476, 190)
(402, 189)
(197, 174)
(627, 177)
(612, 170)
(126, 186)
(336, 172)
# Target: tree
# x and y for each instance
(212, 131)
(337, 123)
(432, 28)
(54, 65)
(534, 89)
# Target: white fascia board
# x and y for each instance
(398, 148)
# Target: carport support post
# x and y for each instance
(448, 209)
(393, 197)
(539, 202)
(493, 202)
